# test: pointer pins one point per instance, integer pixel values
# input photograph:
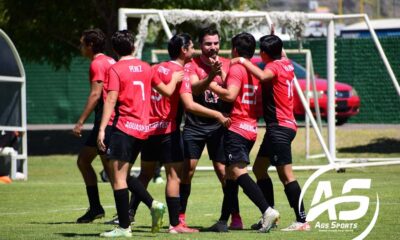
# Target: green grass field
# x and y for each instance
(47, 205)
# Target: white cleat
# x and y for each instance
(298, 226)
(118, 232)
(268, 220)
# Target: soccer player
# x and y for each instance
(199, 131)
(277, 91)
(92, 46)
(241, 89)
(129, 89)
(165, 143)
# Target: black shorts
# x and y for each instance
(107, 137)
(237, 148)
(123, 147)
(276, 145)
(194, 140)
(164, 148)
(91, 141)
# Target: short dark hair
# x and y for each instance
(207, 31)
(272, 45)
(176, 43)
(123, 42)
(95, 38)
(245, 44)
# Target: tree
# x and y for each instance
(49, 31)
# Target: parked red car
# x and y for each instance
(347, 100)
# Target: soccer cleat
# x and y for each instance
(103, 176)
(91, 215)
(115, 220)
(236, 222)
(181, 229)
(118, 232)
(298, 226)
(182, 219)
(269, 218)
(258, 225)
(219, 226)
(157, 212)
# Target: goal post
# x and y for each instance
(13, 102)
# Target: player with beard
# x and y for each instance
(200, 131)
(241, 89)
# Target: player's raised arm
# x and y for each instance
(262, 75)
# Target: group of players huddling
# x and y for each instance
(138, 109)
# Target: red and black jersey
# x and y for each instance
(132, 79)
(98, 72)
(278, 95)
(163, 111)
(243, 115)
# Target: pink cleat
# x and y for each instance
(182, 219)
(236, 222)
(181, 229)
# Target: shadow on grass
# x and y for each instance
(53, 223)
(379, 145)
(97, 235)
(73, 235)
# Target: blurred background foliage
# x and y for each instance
(48, 31)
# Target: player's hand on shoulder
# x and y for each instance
(235, 60)
(178, 76)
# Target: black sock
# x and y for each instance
(293, 191)
(235, 198)
(93, 196)
(122, 204)
(134, 204)
(251, 189)
(140, 192)
(267, 189)
(184, 193)
(173, 204)
(227, 204)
